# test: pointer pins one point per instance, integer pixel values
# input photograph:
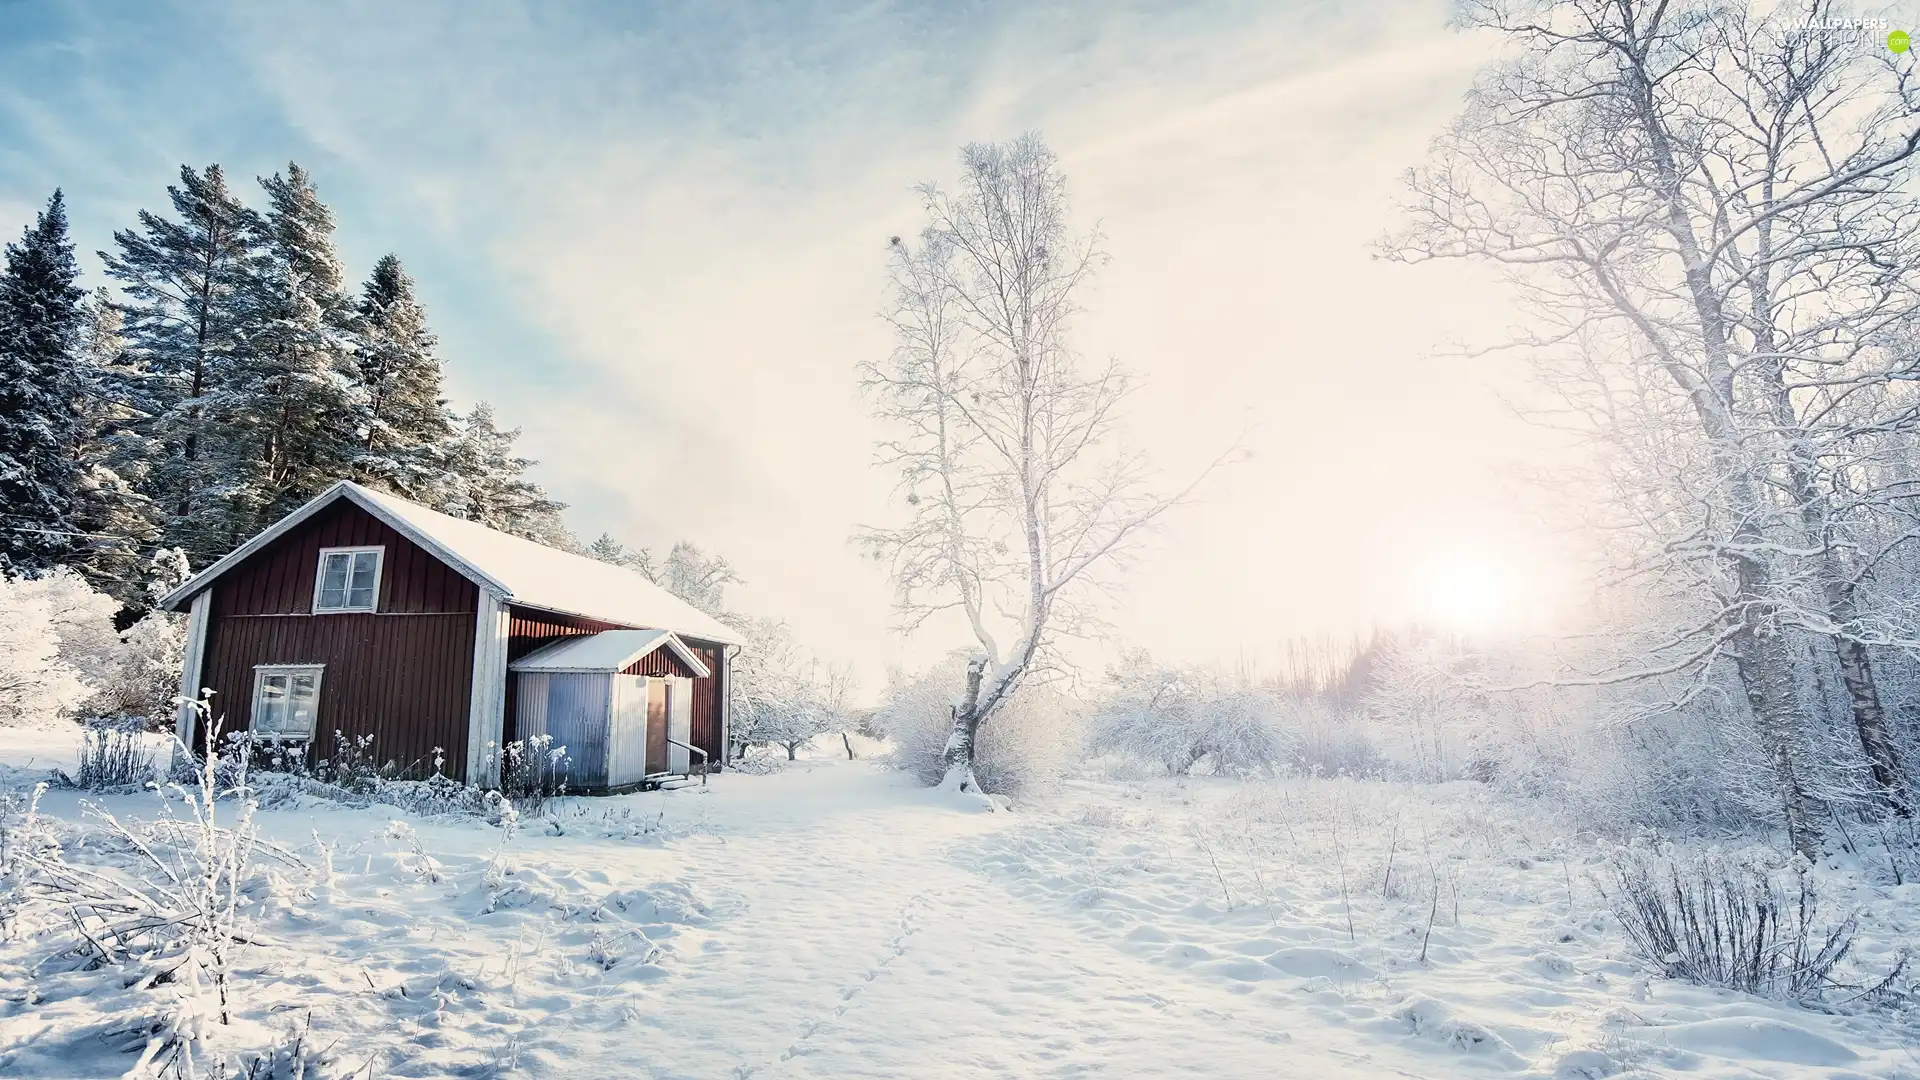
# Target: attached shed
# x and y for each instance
(620, 701)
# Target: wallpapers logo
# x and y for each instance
(1855, 32)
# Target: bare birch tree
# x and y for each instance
(1705, 207)
(1017, 493)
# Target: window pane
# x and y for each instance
(360, 588)
(270, 715)
(302, 706)
(333, 579)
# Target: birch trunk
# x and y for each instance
(965, 734)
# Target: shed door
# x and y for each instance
(680, 724)
(658, 696)
(627, 740)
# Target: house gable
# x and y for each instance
(402, 674)
(278, 579)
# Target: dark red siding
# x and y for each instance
(706, 700)
(279, 579)
(659, 662)
(530, 628)
(402, 674)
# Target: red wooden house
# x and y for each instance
(366, 614)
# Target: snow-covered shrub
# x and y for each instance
(533, 772)
(1421, 697)
(1722, 921)
(759, 761)
(352, 764)
(1324, 740)
(143, 675)
(38, 683)
(81, 618)
(783, 695)
(60, 655)
(1180, 718)
(1029, 742)
(114, 754)
(174, 915)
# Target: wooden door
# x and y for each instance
(658, 699)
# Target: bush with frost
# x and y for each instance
(1030, 742)
(39, 682)
(1738, 924)
(170, 915)
(1180, 719)
(61, 657)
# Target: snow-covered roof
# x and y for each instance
(608, 650)
(516, 570)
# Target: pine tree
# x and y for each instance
(613, 552)
(688, 573)
(288, 405)
(112, 454)
(184, 282)
(483, 480)
(40, 327)
(397, 384)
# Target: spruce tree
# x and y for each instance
(288, 405)
(397, 386)
(113, 455)
(184, 282)
(40, 327)
(484, 480)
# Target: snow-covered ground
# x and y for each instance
(838, 920)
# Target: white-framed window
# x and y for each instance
(348, 579)
(286, 700)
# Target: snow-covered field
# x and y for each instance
(838, 920)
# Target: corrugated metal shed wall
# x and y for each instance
(574, 714)
(402, 674)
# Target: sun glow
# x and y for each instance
(1471, 594)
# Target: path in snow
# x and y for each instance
(874, 951)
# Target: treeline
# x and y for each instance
(230, 374)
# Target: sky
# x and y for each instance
(655, 238)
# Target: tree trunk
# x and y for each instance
(847, 741)
(966, 731)
(1870, 721)
(1765, 664)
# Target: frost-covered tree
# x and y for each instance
(184, 286)
(396, 380)
(287, 404)
(485, 480)
(687, 572)
(41, 325)
(1705, 208)
(694, 576)
(1016, 494)
(1036, 734)
(116, 524)
(783, 695)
